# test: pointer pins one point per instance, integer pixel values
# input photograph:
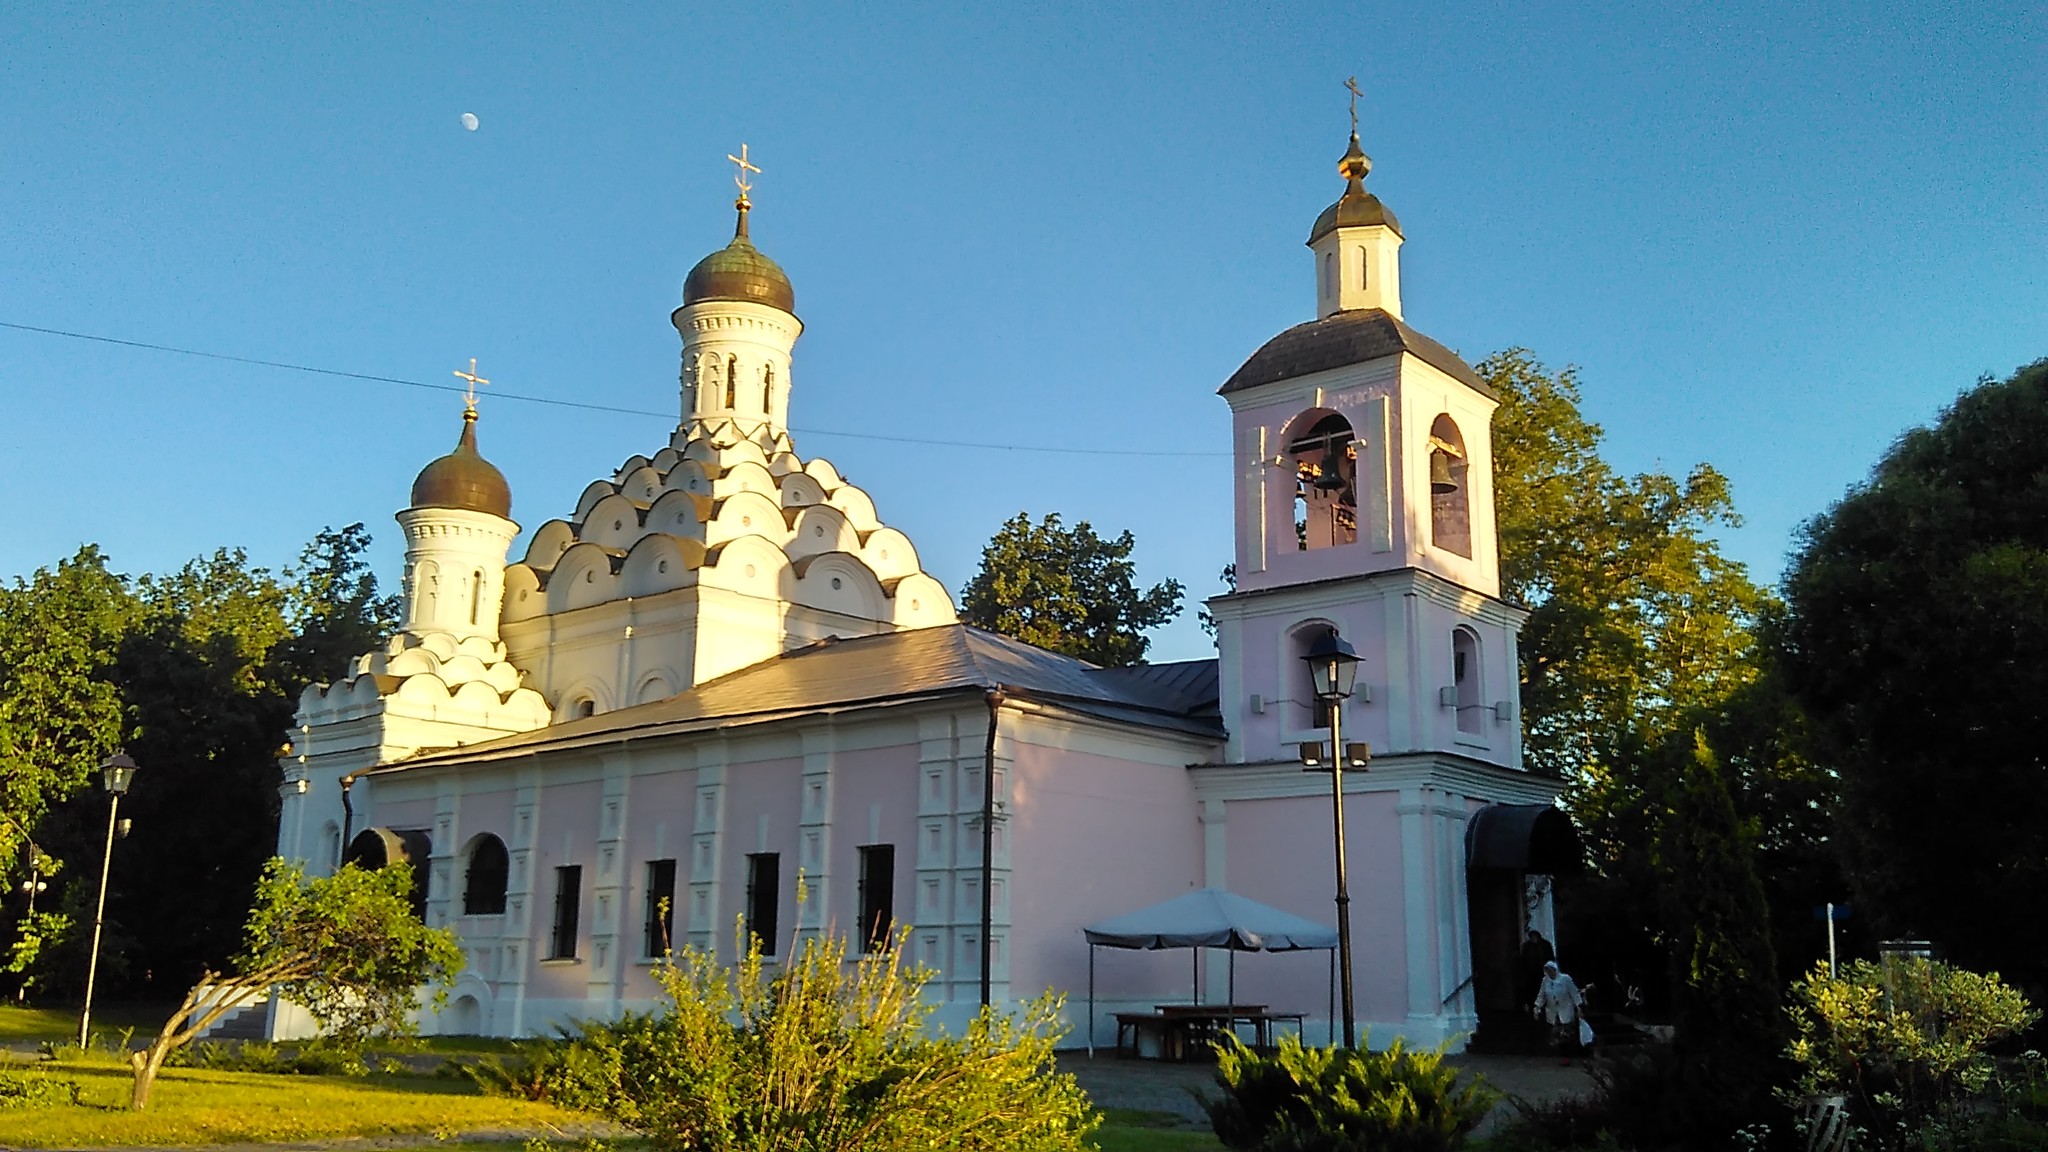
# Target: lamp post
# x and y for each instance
(118, 773)
(1333, 666)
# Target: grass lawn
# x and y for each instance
(200, 1106)
(197, 1106)
(34, 1025)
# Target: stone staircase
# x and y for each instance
(246, 1023)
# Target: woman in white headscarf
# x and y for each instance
(1558, 1003)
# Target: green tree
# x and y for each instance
(335, 608)
(1917, 615)
(1067, 590)
(346, 947)
(1723, 969)
(60, 703)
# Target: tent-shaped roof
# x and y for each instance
(1212, 918)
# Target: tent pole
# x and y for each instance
(1333, 998)
(1233, 978)
(1195, 965)
(1091, 1000)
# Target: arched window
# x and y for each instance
(1467, 679)
(1323, 455)
(476, 596)
(767, 387)
(1450, 515)
(428, 591)
(375, 848)
(732, 375)
(483, 889)
(1330, 277)
(709, 378)
(689, 383)
(1309, 711)
(583, 709)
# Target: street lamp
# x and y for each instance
(1333, 667)
(118, 773)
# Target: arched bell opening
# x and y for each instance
(1322, 453)
(1450, 516)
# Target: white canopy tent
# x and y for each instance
(1205, 918)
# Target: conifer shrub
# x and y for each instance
(1302, 1099)
(827, 1053)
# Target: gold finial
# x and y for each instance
(1352, 85)
(469, 394)
(739, 175)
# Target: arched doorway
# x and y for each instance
(383, 847)
(1505, 844)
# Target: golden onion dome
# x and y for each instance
(1357, 207)
(464, 479)
(739, 271)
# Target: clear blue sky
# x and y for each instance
(1771, 236)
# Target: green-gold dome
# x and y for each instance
(464, 479)
(739, 271)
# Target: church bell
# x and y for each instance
(1441, 482)
(1330, 473)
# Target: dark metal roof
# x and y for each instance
(739, 271)
(463, 479)
(1343, 339)
(1523, 838)
(896, 667)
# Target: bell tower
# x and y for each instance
(1363, 470)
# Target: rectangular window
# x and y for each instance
(661, 908)
(877, 896)
(764, 878)
(568, 900)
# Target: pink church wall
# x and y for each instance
(874, 801)
(1279, 852)
(567, 830)
(1095, 837)
(659, 821)
(1272, 668)
(770, 789)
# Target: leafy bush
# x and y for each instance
(580, 1070)
(1304, 1099)
(827, 1054)
(1907, 1041)
(1565, 1123)
(315, 1059)
(35, 1090)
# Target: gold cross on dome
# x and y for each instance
(1352, 85)
(469, 394)
(745, 166)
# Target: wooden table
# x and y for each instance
(1183, 1029)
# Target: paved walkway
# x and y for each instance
(1156, 1086)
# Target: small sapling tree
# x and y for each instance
(346, 947)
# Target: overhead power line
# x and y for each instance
(560, 403)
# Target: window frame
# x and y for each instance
(658, 926)
(564, 931)
(877, 894)
(763, 910)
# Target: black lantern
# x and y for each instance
(118, 772)
(1332, 666)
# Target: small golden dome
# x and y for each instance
(464, 479)
(1357, 207)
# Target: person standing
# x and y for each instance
(1558, 1004)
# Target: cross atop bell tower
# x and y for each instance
(1357, 241)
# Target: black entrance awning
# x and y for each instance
(1523, 838)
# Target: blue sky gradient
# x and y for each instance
(1771, 237)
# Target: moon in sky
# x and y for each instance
(469, 121)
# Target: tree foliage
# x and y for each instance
(60, 700)
(346, 947)
(197, 672)
(1067, 590)
(1917, 620)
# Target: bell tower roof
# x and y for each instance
(1356, 208)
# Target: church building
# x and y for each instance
(722, 676)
